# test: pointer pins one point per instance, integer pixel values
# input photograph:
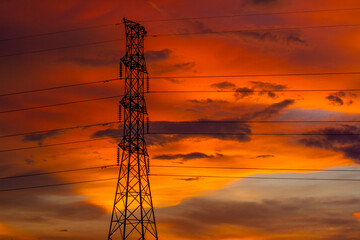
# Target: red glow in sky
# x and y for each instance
(282, 37)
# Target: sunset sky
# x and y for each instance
(49, 43)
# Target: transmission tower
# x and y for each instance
(133, 213)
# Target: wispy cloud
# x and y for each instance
(340, 98)
(40, 137)
(186, 157)
(272, 110)
(223, 85)
(342, 139)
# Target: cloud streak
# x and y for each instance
(165, 132)
(161, 55)
(288, 38)
(340, 98)
(223, 85)
(40, 137)
(186, 157)
(259, 88)
(339, 139)
(272, 110)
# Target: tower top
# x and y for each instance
(136, 25)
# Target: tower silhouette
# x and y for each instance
(133, 213)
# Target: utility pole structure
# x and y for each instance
(133, 213)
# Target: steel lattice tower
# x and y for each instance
(133, 213)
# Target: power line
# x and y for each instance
(58, 104)
(258, 168)
(185, 122)
(57, 32)
(54, 172)
(184, 77)
(195, 133)
(176, 19)
(56, 129)
(60, 48)
(180, 34)
(167, 91)
(55, 185)
(54, 144)
(249, 15)
(256, 30)
(187, 176)
(59, 87)
(261, 75)
(265, 178)
(254, 134)
(260, 121)
(255, 91)
(183, 167)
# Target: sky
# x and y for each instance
(271, 203)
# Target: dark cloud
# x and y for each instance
(185, 66)
(213, 129)
(243, 92)
(223, 85)
(184, 157)
(199, 215)
(163, 132)
(262, 36)
(207, 101)
(339, 139)
(340, 98)
(29, 161)
(158, 64)
(168, 68)
(160, 139)
(268, 86)
(173, 80)
(261, 88)
(294, 38)
(271, 110)
(110, 132)
(40, 137)
(95, 58)
(93, 62)
(175, 131)
(265, 156)
(194, 26)
(268, 89)
(182, 66)
(107, 58)
(335, 99)
(261, 2)
(161, 55)
(189, 179)
(276, 37)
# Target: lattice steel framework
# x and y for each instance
(133, 214)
